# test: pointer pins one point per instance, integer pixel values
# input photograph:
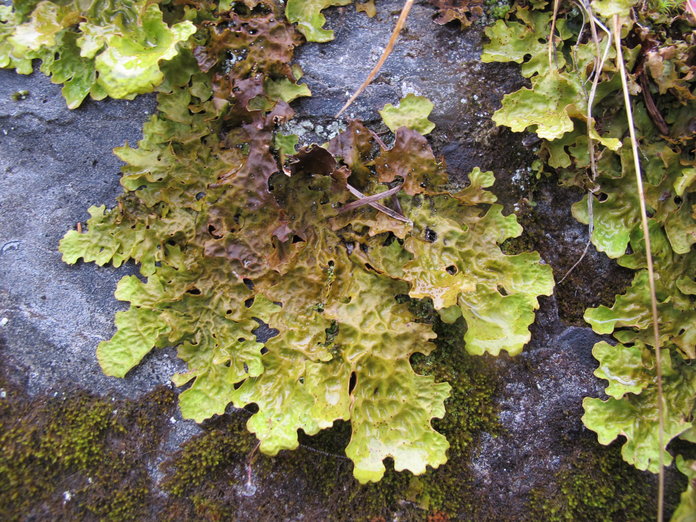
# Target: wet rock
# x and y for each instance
(55, 163)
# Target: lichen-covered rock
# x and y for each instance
(537, 396)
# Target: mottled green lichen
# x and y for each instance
(581, 288)
(497, 9)
(208, 476)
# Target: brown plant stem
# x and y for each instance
(651, 272)
(387, 51)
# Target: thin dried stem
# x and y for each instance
(651, 273)
(386, 210)
(584, 252)
(370, 199)
(552, 46)
(387, 51)
(250, 461)
(599, 61)
(378, 139)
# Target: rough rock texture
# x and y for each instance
(440, 62)
(55, 163)
(540, 409)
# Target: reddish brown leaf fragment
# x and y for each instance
(412, 159)
(250, 44)
(353, 146)
(466, 11)
(244, 238)
(243, 91)
(251, 179)
(205, 58)
(281, 113)
(313, 160)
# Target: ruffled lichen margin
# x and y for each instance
(595, 154)
(232, 229)
(142, 47)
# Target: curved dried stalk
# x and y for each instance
(387, 51)
(552, 47)
(598, 66)
(370, 200)
(651, 273)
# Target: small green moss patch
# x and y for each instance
(596, 484)
(77, 456)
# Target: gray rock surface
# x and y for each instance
(55, 163)
(439, 62)
(540, 406)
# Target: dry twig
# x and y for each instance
(387, 51)
(651, 272)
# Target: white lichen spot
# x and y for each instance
(410, 88)
(4, 321)
(375, 54)
(249, 489)
(520, 177)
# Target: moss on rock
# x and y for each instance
(77, 456)
(596, 484)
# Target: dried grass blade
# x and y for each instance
(651, 272)
(389, 212)
(366, 200)
(387, 51)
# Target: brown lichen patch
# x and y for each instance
(77, 456)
